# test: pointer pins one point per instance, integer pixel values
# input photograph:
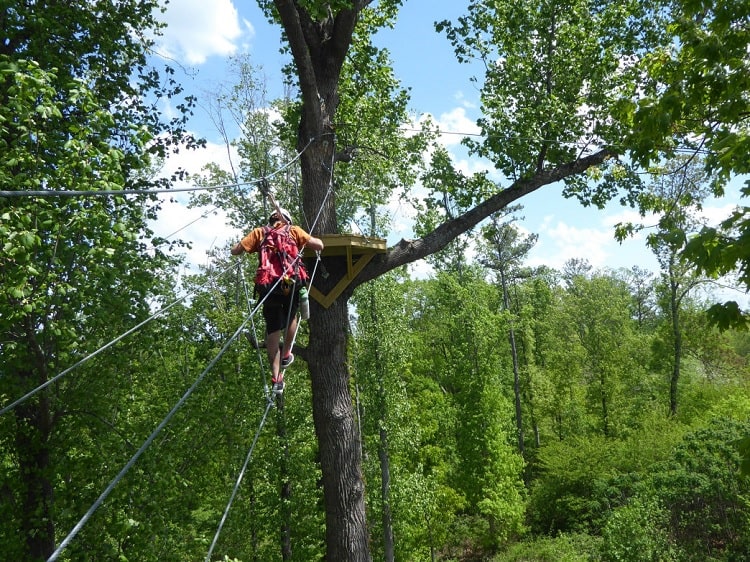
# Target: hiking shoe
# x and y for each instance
(286, 361)
(278, 386)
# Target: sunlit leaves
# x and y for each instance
(553, 74)
(74, 272)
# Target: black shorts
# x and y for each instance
(278, 310)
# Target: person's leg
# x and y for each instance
(272, 350)
(291, 330)
(290, 305)
(272, 313)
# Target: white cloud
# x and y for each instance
(465, 102)
(560, 242)
(204, 228)
(456, 124)
(197, 29)
(713, 215)
(193, 161)
(421, 270)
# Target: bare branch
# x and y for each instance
(408, 251)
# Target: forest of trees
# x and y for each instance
(491, 411)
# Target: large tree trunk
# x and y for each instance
(338, 436)
(319, 48)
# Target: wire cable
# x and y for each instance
(269, 400)
(106, 346)
(145, 446)
(249, 455)
(112, 192)
(109, 192)
(269, 404)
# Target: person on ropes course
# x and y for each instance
(280, 276)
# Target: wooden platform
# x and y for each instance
(358, 251)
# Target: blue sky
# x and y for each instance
(202, 35)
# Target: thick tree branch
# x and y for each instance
(293, 27)
(408, 251)
(318, 44)
(343, 30)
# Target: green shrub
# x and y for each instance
(704, 494)
(638, 532)
(562, 548)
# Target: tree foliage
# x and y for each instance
(568, 87)
(73, 116)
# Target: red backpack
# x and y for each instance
(279, 260)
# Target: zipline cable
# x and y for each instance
(106, 346)
(146, 444)
(122, 192)
(269, 400)
(66, 541)
(302, 249)
(269, 404)
(114, 192)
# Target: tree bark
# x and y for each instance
(319, 48)
(408, 251)
(338, 436)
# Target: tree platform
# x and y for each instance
(358, 251)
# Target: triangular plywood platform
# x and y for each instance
(358, 250)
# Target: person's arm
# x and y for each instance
(249, 243)
(315, 244)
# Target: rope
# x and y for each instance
(297, 157)
(145, 446)
(104, 347)
(302, 249)
(269, 404)
(239, 481)
(261, 181)
(254, 342)
(108, 192)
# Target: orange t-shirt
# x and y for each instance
(251, 243)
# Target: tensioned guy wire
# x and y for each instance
(268, 404)
(100, 500)
(145, 445)
(114, 192)
(239, 481)
(158, 313)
